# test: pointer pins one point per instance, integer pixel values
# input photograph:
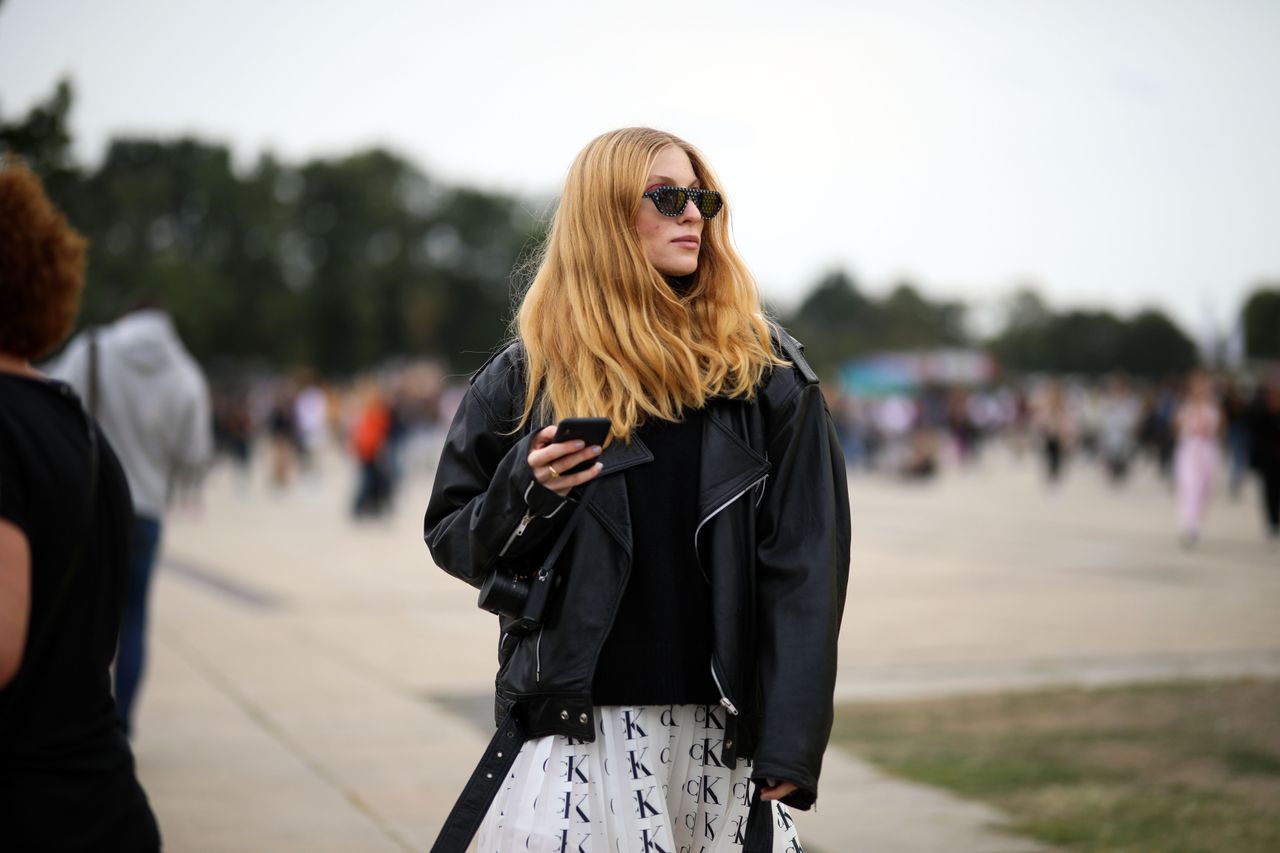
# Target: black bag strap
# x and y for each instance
(759, 835)
(473, 804)
(91, 400)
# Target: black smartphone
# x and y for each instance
(587, 430)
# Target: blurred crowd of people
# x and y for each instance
(1185, 430)
(387, 423)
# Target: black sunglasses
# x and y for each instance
(671, 201)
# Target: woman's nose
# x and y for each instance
(690, 212)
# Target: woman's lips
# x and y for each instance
(686, 242)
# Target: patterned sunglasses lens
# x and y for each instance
(709, 203)
(670, 201)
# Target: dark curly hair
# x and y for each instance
(42, 262)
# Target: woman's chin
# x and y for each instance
(680, 269)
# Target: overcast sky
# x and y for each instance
(1117, 154)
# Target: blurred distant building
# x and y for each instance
(904, 372)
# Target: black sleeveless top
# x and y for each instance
(67, 778)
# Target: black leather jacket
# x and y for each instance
(772, 537)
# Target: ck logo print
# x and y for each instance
(653, 781)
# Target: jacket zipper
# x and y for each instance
(524, 522)
(528, 517)
(724, 700)
(537, 658)
(721, 509)
(519, 531)
(761, 481)
(724, 697)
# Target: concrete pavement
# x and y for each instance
(318, 685)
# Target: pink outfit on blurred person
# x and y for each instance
(1195, 462)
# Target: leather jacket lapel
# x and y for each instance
(729, 464)
(610, 505)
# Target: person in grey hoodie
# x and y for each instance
(152, 401)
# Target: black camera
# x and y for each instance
(522, 598)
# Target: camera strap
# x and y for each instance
(543, 582)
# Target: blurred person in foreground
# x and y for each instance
(1264, 450)
(692, 643)
(153, 403)
(1198, 426)
(67, 780)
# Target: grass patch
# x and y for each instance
(1245, 761)
(1187, 767)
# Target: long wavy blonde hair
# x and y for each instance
(605, 333)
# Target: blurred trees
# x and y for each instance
(1261, 321)
(1090, 343)
(1153, 345)
(44, 138)
(837, 321)
(334, 264)
(339, 263)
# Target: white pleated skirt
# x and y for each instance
(651, 781)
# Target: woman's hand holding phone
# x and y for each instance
(551, 459)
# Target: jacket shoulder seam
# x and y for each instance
(486, 381)
(793, 350)
(513, 349)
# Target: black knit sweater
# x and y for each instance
(659, 649)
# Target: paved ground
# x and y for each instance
(317, 685)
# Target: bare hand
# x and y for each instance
(778, 791)
(550, 461)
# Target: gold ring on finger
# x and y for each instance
(554, 472)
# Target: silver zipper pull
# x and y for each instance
(537, 654)
(724, 700)
(524, 522)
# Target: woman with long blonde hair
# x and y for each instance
(677, 691)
